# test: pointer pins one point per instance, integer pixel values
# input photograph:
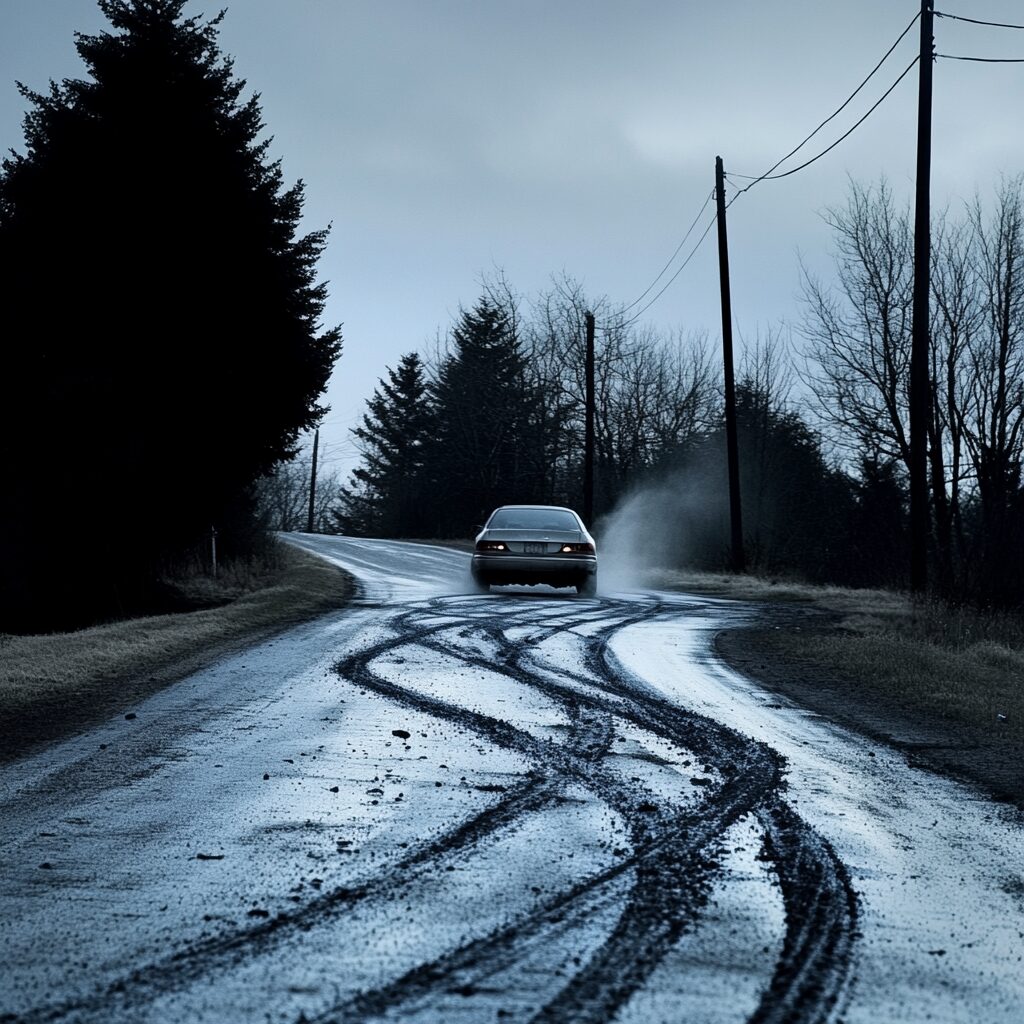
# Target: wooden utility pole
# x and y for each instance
(588, 436)
(732, 445)
(920, 343)
(312, 484)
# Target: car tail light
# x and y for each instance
(491, 545)
(577, 549)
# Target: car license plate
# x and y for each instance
(535, 549)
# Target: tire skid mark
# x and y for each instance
(674, 870)
(679, 850)
(811, 978)
(203, 957)
(674, 879)
(821, 907)
(813, 973)
(483, 957)
(672, 889)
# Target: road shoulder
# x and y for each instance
(55, 686)
(787, 651)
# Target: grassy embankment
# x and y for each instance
(52, 685)
(946, 685)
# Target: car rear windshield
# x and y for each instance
(532, 519)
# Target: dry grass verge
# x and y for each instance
(946, 685)
(53, 685)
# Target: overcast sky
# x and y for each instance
(446, 138)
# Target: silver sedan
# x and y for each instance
(535, 544)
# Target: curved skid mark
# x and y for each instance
(482, 957)
(674, 869)
(812, 973)
(206, 956)
(813, 969)
(821, 906)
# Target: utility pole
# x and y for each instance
(312, 484)
(920, 342)
(588, 437)
(732, 446)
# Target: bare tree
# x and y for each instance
(686, 393)
(993, 414)
(956, 312)
(859, 355)
(653, 394)
(859, 333)
(858, 364)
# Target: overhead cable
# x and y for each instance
(767, 176)
(679, 247)
(682, 266)
(983, 60)
(975, 21)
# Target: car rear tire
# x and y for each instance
(588, 588)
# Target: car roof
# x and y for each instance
(560, 508)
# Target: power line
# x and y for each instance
(767, 174)
(682, 266)
(845, 135)
(983, 60)
(975, 21)
(679, 247)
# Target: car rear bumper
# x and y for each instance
(540, 567)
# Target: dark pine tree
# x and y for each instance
(387, 499)
(478, 456)
(162, 339)
(795, 505)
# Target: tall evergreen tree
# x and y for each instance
(387, 498)
(795, 505)
(161, 314)
(478, 456)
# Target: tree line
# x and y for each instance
(858, 333)
(497, 414)
(164, 354)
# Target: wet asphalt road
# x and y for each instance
(443, 806)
